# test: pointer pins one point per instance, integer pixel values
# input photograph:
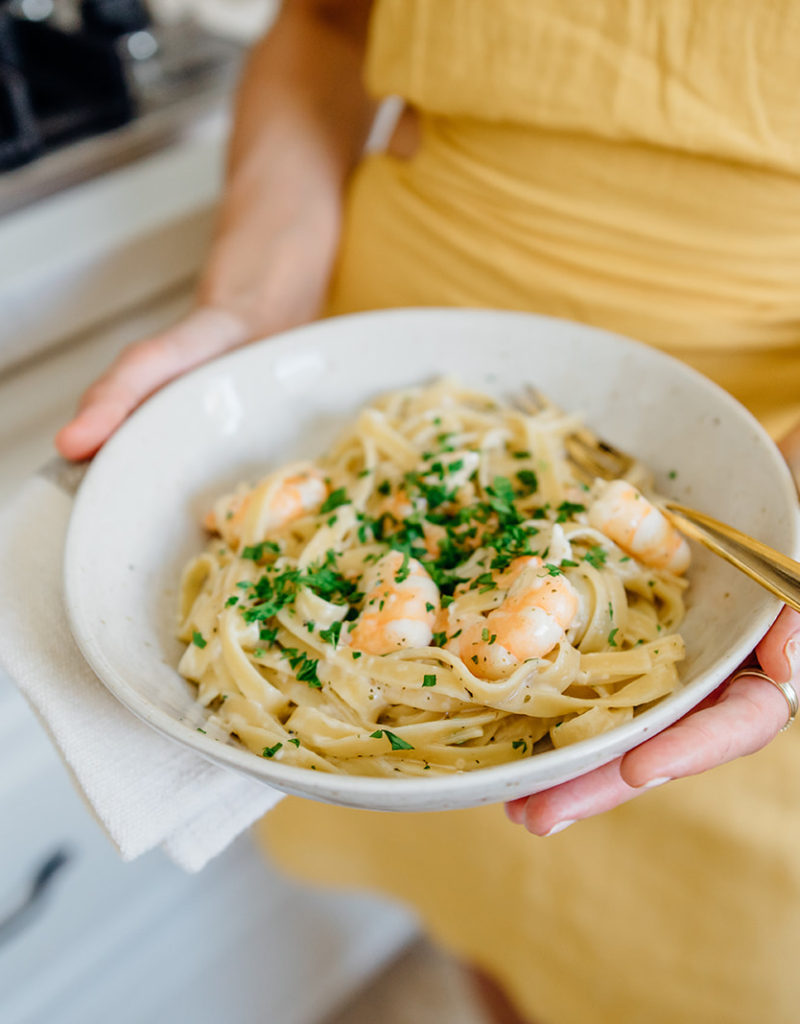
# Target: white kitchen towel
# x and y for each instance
(145, 790)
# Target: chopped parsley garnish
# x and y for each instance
(403, 572)
(519, 745)
(567, 509)
(274, 590)
(295, 740)
(304, 668)
(258, 652)
(356, 655)
(484, 634)
(485, 582)
(567, 563)
(429, 680)
(501, 500)
(528, 481)
(596, 556)
(202, 731)
(672, 474)
(271, 751)
(612, 635)
(520, 455)
(434, 494)
(331, 634)
(430, 607)
(268, 635)
(231, 602)
(334, 500)
(439, 639)
(552, 570)
(384, 487)
(395, 741)
(256, 552)
(199, 640)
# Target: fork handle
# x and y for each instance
(776, 572)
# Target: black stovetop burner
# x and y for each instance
(58, 85)
(70, 70)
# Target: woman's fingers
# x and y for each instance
(143, 368)
(554, 809)
(743, 718)
(779, 651)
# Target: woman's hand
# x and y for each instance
(738, 719)
(301, 120)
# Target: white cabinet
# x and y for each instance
(235, 944)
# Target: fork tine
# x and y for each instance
(533, 401)
(591, 455)
(596, 457)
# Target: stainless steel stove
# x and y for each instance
(88, 85)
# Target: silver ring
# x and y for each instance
(786, 689)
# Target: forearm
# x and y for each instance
(301, 105)
(302, 116)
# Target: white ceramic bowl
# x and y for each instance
(136, 519)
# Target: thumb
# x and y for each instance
(143, 368)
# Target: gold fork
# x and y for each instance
(594, 457)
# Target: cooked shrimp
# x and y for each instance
(630, 520)
(400, 606)
(297, 495)
(532, 618)
(433, 535)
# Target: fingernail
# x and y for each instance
(791, 651)
(659, 780)
(559, 827)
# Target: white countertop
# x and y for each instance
(144, 942)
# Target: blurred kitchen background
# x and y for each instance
(113, 118)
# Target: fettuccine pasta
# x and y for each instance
(440, 592)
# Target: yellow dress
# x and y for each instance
(633, 164)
